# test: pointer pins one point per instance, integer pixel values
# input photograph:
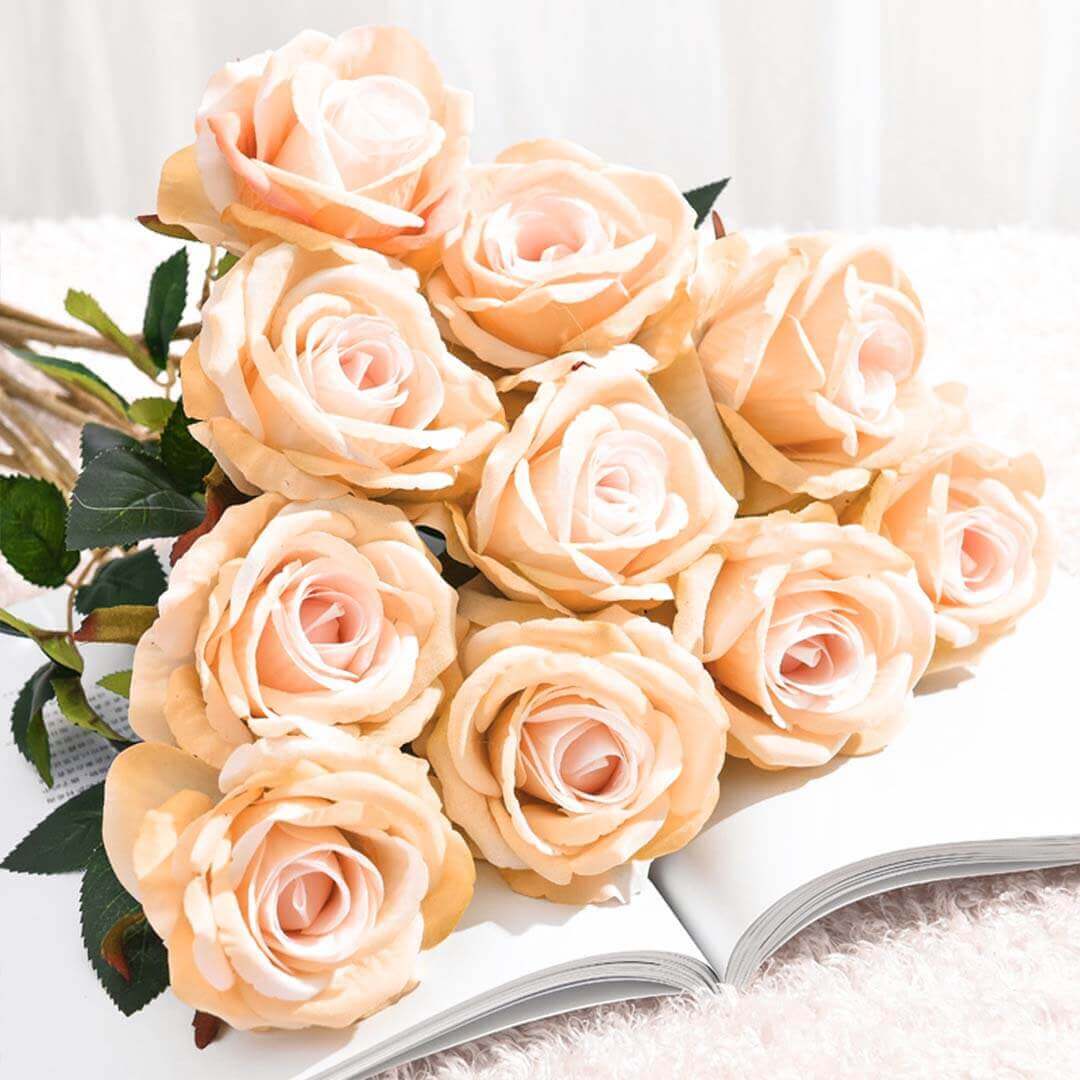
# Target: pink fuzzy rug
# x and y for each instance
(977, 978)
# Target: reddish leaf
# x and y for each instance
(207, 1028)
(718, 226)
(112, 944)
(220, 495)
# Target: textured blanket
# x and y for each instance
(976, 978)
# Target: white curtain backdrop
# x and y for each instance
(844, 113)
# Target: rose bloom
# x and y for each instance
(571, 751)
(314, 376)
(560, 252)
(304, 895)
(970, 519)
(810, 349)
(815, 634)
(595, 496)
(353, 138)
(326, 612)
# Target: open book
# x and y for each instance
(983, 780)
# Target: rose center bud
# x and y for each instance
(590, 761)
(983, 551)
(314, 902)
(573, 753)
(300, 902)
(885, 358)
(377, 364)
(625, 485)
(816, 659)
(373, 125)
(326, 625)
(322, 620)
(527, 235)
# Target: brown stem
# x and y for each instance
(97, 557)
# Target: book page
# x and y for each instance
(985, 757)
(47, 985)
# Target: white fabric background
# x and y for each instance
(977, 978)
(844, 113)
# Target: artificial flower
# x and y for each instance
(561, 252)
(351, 138)
(811, 348)
(815, 634)
(299, 890)
(572, 751)
(315, 375)
(326, 613)
(596, 495)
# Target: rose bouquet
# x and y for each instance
(504, 502)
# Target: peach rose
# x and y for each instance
(810, 349)
(970, 519)
(572, 751)
(326, 612)
(815, 634)
(304, 896)
(352, 138)
(595, 496)
(314, 376)
(560, 252)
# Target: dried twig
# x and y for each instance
(20, 330)
(32, 434)
(73, 403)
(41, 399)
(24, 458)
(10, 311)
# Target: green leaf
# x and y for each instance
(703, 198)
(119, 682)
(55, 644)
(224, 265)
(82, 306)
(104, 902)
(76, 710)
(95, 439)
(125, 495)
(453, 572)
(155, 224)
(186, 460)
(151, 412)
(28, 721)
(32, 519)
(123, 624)
(165, 305)
(76, 374)
(65, 840)
(132, 579)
